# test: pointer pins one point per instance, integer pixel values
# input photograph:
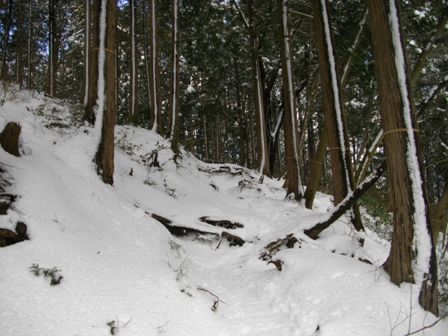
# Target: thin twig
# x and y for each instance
(217, 299)
(426, 327)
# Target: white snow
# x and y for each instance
(121, 266)
(422, 239)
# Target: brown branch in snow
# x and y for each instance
(347, 202)
(217, 299)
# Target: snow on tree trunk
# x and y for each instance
(329, 92)
(336, 95)
(412, 257)
(106, 93)
(101, 81)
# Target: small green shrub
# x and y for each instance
(52, 274)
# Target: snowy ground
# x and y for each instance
(125, 274)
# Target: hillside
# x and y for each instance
(124, 273)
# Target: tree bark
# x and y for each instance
(105, 154)
(334, 118)
(174, 94)
(262, 143)
(294, 184)
(87, 47)
(316, 168)
(412, 257)
(133, 87)
(154, 79)
(5, 41)
(438, 219)
(341, 165)
(241, 119)
(53, 48)
(92, 92)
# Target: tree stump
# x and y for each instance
(9, 138)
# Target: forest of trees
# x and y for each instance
(322, 93)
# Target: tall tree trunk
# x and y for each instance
(156, 112)
(438, 219)
(87, 39)
(334, 118)
(29, 78)
(294, 184)
(92, 92)
(133, 88)
(341, 166)
(105, 154)
(52, 48)
(315, 172)
(241, 119)
(174, 94)
(412, 257)
(5, 42)
(262, 143)
(316, 168)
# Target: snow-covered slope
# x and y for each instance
(124, 273)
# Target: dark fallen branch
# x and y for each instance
(224, 223)
(272, 248)
(347, 202)
(180, 231)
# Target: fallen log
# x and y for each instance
(347, 202)
(180, 231)
(221, 223)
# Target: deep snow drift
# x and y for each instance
(125, 274)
